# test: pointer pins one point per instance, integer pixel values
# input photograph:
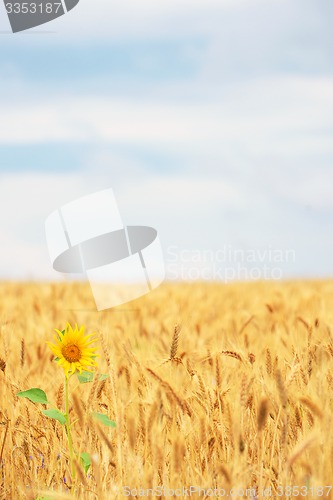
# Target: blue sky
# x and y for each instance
(211, 120)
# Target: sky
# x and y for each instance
(211, 120)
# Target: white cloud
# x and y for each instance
(310, 188)
(144, 19)
(25, 201)
(265, 116)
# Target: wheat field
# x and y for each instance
(210, 385)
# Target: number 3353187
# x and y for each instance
(32, 8)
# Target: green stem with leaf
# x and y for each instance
(37, 395)
(68, 429)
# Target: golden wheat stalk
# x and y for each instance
(174, 347)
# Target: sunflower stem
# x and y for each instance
(68, 429)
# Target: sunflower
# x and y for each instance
(73, 350)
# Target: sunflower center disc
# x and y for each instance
(71, 353)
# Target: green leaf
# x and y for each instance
(104, 419)
(85, 377)
(85, 460)
(56, 414)
(35, 395)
